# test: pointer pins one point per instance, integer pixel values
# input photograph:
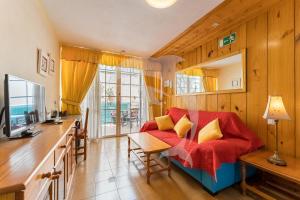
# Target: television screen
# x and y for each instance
(24, 105)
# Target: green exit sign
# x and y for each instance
(227, 40)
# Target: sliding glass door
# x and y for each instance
(123, 105)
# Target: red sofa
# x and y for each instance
(208, 156)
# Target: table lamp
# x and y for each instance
(276, 111)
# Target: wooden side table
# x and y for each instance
(258, 159)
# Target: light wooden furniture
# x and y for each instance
(147, 145)
(258, 159)
(81, 135)
(41, 167)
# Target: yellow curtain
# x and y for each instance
(153, 85)
(79, 67)
(210, 79)
(193, 72)
(210, 84)
(111, 59)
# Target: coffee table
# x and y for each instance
(146, 146)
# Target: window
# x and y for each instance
(188, 84)
(123, 103)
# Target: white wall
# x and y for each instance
(227, 75)
(24, 27)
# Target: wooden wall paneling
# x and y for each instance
(9, 196)
(191, 102)
(199, 55)
(227, 14)
(193, 57)
(257, 73)
(241, 38)
(203, 52)
(212, 102)
(185, 62)
(201, 102)
(225, 49)
(281, 69)
(210, 50)
(297, 68)
(238, 105)
(224, 102)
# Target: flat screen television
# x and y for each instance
(24, 106)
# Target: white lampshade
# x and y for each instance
(275, 109)
(161, 3)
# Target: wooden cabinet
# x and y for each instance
(45, 170)
(69, 161)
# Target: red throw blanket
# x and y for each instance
(237, 140)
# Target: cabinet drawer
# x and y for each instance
(60, 150)
(39, 183)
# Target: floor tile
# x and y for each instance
(106, 186)
(114, 195)
(129, 193)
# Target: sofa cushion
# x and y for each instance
(210, 132)
(183, 126)
(164, 123)
(177, 113)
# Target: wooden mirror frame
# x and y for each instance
(243, 52)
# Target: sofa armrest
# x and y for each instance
(149, 126)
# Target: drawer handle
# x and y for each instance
(46, 175)
(63, 146)
(57, 173)
(54, 177)
(70, 134)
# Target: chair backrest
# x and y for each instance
(86, 119)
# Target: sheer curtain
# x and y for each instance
(92, 101)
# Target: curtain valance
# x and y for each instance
(97, 57)
(80, 54)
(111, 59)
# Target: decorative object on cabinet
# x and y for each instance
(275, 111)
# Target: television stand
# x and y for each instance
(27, 134)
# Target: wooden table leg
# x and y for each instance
(244, 174)
(148, 168)
(129, 150)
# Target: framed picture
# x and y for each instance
(236, 83)
(51, 65)
(42, 63)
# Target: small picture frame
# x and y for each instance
(51, 66)
(42, 63)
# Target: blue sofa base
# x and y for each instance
(227, 175)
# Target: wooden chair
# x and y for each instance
(81, 134)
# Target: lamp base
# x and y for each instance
(276, 160)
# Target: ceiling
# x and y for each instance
(129, 25)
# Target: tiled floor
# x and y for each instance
(107, 175)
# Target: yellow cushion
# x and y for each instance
(183, 126)
(164, 123)
(210, 132)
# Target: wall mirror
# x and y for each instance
(225, 74)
